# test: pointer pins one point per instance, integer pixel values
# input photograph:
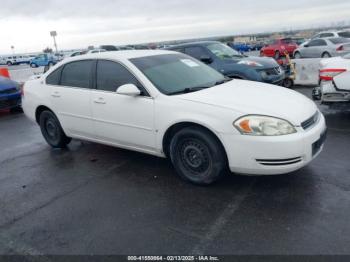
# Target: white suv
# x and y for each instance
(328, 34)
(170, 105)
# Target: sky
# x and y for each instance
(26, 24)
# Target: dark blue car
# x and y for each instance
(240, 47)
(10, 94)
(233, 64)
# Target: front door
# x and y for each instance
(120, 119)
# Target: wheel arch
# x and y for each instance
(176, 127)
(39, 110)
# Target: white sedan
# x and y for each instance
(170, 105)
(334, 87)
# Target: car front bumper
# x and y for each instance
(252, 155)
(10, 101)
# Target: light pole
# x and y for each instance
(54, 34)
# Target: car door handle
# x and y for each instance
(56, 94)
(100, 101)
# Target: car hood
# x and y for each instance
(265, 62)
(6, 83)
(247, 97)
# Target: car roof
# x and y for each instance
(118, 55)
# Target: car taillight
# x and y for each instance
(340, 48)
(329, 74)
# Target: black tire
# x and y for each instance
(326, 55)
(9, 63)
(288, 83)
(277, 55)
(198, 156)
(52, 130)
(297, 55)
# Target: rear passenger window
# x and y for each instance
(111, 75)
(54, 77)
(77, 74)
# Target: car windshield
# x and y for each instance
(177, 73)
(223, 52)
(339, 40)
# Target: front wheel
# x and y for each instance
(52, 130)
(197, 156)
(326, 55)
(297, 55)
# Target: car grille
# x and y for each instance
(273, 71)
(8, 91)
(309, 123)
(279, 162)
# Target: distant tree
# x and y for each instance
(47, 50)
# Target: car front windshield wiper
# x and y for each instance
(223, 81)
(189, 90)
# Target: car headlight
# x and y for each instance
(256, 125)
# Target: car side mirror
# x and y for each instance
(128, 90)
(206, 59)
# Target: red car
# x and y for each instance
(279, 47)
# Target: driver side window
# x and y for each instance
(111, 75)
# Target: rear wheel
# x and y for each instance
(9, 63)
(52, 130)
(197, 156)
(326, 55)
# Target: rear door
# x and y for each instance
(120, 119)
(71, 97)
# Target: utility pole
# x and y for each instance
(54, 34)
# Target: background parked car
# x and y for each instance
(10, 94)
(109, 48)
(233, 64)
(43, 60)
(344, 34)
(96, 51)
(240, 47)
(23, 59)
(257, 46)
(279, 47)
(326, 47)
(334, 89)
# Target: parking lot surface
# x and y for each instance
(95, 199)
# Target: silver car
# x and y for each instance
(325, 47)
